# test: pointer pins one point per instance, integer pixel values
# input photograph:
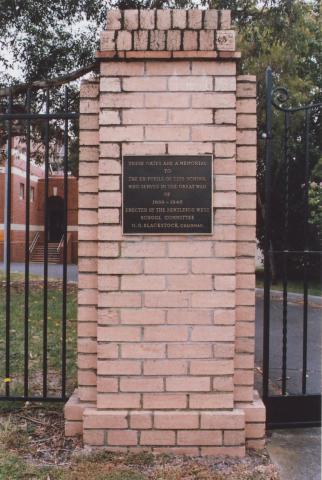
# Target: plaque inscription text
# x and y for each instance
(167, 194)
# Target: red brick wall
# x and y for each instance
(18, 209)
(18, 214)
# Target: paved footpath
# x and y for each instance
(296, 453)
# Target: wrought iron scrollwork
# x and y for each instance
(280, 96)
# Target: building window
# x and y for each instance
(22, 191)
(32, 194)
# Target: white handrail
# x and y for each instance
(34, 242)
(60, 244)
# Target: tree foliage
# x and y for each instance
(42, 39)
(288, 37)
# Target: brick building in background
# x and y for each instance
(37, 206)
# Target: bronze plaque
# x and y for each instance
(167, 194)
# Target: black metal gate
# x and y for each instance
(35, 133)
(292, 259)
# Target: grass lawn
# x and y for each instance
(35, 331)
(295, 286)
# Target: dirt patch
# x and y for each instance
(37, 434)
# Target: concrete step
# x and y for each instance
(41, 250)
(49, 256)
(38, 253)
(51, 262)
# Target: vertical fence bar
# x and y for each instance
(65, 248)
(267, 275)
(45, 321)
(305, 273)
(285, 252)
(27, 259)
(8, 248)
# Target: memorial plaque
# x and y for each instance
(167, 194)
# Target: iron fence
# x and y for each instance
(18, 115)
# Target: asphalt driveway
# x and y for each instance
(294, 341)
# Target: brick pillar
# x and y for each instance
(85, 395)
(245, 274)
(173, 368)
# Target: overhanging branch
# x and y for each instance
(69, 77)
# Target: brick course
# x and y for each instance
(139, 34)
